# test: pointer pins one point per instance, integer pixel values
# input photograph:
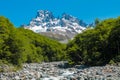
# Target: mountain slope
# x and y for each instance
(45, 23)
(19, 45)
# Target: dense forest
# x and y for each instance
(98, 45)
(19, 45)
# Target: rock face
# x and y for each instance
(52, 71)
(65, 27)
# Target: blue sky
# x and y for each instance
(22, 11)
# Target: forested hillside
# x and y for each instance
(18, 45)
(97, 46)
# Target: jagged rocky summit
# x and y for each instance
(61, 28)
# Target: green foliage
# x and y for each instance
(97, 21)
(97, 46)
(111, 62)
(18, 45)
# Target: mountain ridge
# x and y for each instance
(66, 25)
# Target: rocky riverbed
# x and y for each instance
(59, 71)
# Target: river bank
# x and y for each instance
(59, 71)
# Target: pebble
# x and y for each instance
(59, 71)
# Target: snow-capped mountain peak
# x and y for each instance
(46, 22)
(45, 15)
(69, 17)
